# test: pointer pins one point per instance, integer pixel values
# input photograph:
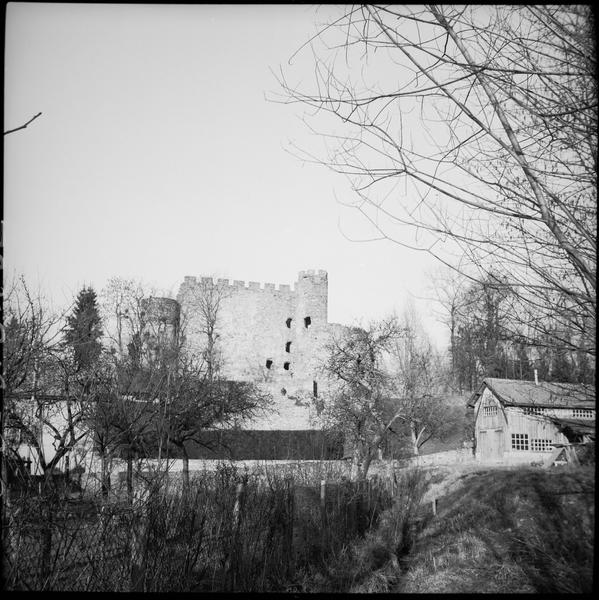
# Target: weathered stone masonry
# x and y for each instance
(272, 335)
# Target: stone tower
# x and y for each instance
(160, 334)
(271, 335)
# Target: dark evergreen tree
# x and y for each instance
(585, 371)
(479, 346)
(524, 369)
(84, 329)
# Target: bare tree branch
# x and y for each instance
(23, 126)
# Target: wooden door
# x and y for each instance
(497, 444)
(490, 445)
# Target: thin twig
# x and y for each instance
(23, 126)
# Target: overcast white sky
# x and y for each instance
(157, 156)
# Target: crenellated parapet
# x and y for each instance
(316, 276)
(236, 285)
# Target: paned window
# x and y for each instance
(537, 445)
(582, 413)
(519, 441)
(489, 411)
(534, 411)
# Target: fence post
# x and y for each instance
(290, 516)
(139, 533)
(434, 505)
(233, 556)
(323, 513)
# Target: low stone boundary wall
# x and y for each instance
(308, 469)
(448, 457)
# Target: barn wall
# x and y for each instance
(493, 432)
(537, 428)
(489, 429)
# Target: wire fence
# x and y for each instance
(224, 532)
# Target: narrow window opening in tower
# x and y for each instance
(315, 389)
(288, 323)
(288, 347)
(268, 363)
(286, 366)
(307, 322)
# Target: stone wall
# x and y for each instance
(267, 334)
(161, 324)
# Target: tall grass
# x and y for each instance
(214, 535)
(371, 563)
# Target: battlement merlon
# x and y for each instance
(237, 284)
(319, 276)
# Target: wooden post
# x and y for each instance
(368, 501)
(290, 510)
(323, 513)
(233, 556)
(138, 548)
(434, 506)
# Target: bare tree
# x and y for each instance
(446, 287)
(470, 133)
(196, 400)
(122, 312)
(419, 384)
(39, 396)
(387, 385)
(170, 388)
(359, 405)
(199, 397)
(207, 307)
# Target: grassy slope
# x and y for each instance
(507, 530)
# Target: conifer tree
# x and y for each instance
(84, 329)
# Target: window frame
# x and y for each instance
(520, 442)
(541, 445)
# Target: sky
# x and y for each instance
(159, 153)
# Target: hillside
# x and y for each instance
(506, 530)
(499, 530)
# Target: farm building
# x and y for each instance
(530, 422)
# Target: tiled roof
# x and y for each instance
(513, 392)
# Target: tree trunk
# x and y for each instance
(47, 505)
(366, 465)
(355, 465)
(185, 470)
(129, 475)
(414, 436)
(104, 475)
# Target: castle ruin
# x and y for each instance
(271, 335)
